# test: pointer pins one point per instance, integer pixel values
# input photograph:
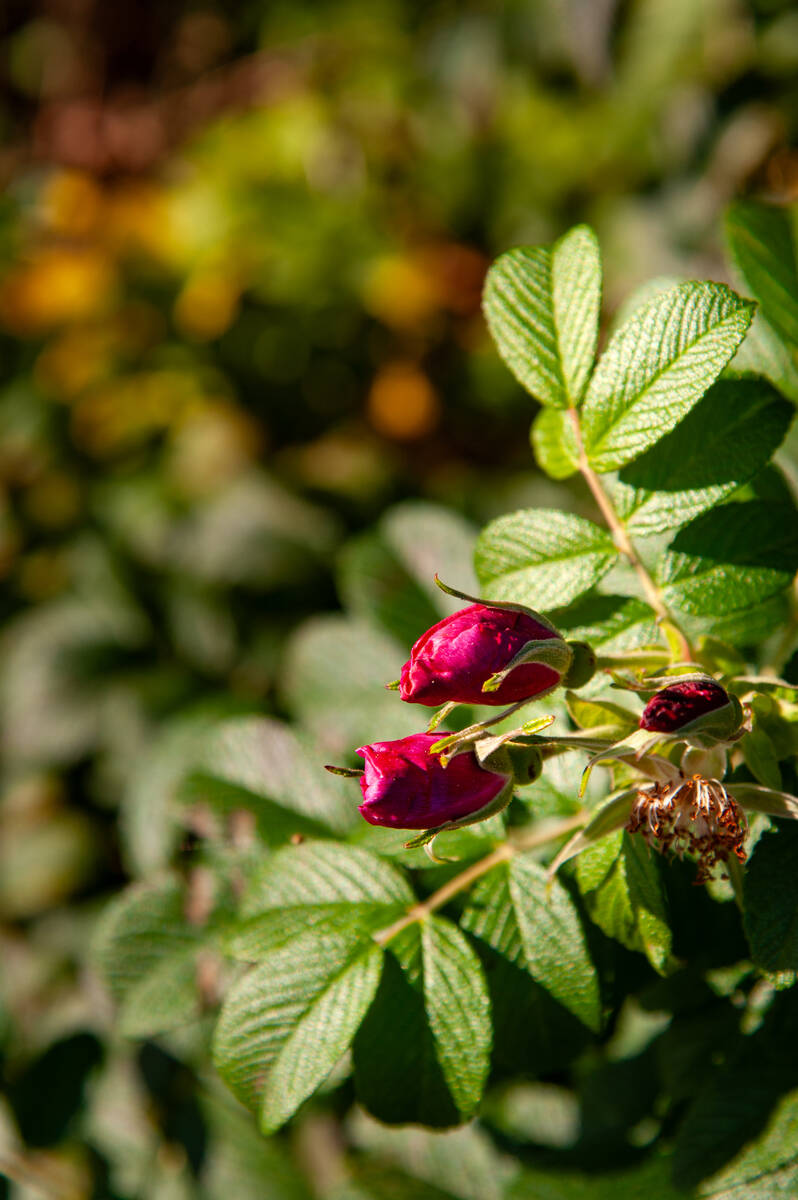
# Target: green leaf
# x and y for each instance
(462, 1162)
(760, 756)
(734, 557)
(260, 764)
(535, 925)
(657, 366)
(648, 1179)
(147, 952)
(727, 438)
(334, 681)
(387, 576)
(422, 1053)
(285, 1024)
(541, 557)
(542, 308)
(775, 1147)
(762, 249)
(588, 714)
(554, 441)
(619, 880)
(771, 900)
(317, 884)
(615, 623)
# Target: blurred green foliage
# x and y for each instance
(239, 320)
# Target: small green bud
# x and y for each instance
(583, 665)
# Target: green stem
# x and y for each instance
(625, 544)
(459, 883)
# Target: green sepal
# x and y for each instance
(550, 652)
(757, 798)
(611, 816)
(497, 805)
(583, 665)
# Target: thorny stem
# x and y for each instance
(624, 542)
(459, 883)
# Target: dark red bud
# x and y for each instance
(681, 703)
(453, 659)
(406, 787)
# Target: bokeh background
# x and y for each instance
(241, 253)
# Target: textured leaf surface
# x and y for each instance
(537, 927)
(316, 884)
(616, 623)
(619, 881)
(762, 249)
(262, 765)
(542, 309)
(286, 1023)
(657, 366)
(147, 953)
(771, 900)
(541, 557)
(726, 439)
(734, 557)
(422, 1053)
(752, 1172)
(554, 442)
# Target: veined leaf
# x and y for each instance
(771, 901)
(535, 925)
(260, 764)
(423, 1050)
(317, 884)
(542, 308)
(619, 881)
(720, 445)
(657, 366)
(762, 249)
(553, 439)
(615, 623)
(756, 1166)
(147, 951)
(731, 558)
(541, 557)
(286, 1023)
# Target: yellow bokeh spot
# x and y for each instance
(402, 403)
(55, 286)
(208, 304)
(71, 203)
(400, 291)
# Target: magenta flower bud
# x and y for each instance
(406, 787)
(457, 659)
(698, 707)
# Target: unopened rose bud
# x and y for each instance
(468, 659)
(406, 787)
(699, 710)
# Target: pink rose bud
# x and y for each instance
(406, 787)
(458, 659)
(694, 705)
